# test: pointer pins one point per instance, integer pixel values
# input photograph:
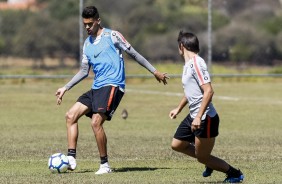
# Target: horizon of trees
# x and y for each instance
(243, 31)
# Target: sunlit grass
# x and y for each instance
(33, 128)
(17, 66)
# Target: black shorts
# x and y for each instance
(208, 129)
(104, 100)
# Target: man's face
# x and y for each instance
(91, 25)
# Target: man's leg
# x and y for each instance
(183, 147)
(101, 139)
(203, 149)
(72, 116)
(188, 149)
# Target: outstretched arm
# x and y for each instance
(140, 59)
(121, 43)
(161, 77)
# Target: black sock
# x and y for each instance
(233, 172)
(104, 159)
(209, 169)
(72, 152)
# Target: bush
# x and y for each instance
(278, 46)
(244, 43)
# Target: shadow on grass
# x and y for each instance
(82, 171)
(138, 169)
(132, 169)
(211, 182)
(124, 169)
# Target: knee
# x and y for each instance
(175, 147)
(70, 118)
(96, 124)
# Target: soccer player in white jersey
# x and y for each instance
(196, 134)
(102, 51)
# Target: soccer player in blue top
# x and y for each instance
(195, 136)
(102, 51)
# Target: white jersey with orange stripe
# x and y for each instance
(194, 75)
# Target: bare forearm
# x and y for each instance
(182, 103)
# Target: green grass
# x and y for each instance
(29, 67)
(33, 128)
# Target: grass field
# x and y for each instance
(33, 128)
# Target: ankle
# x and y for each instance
(104, 159)
(233, 172)
(72, 152)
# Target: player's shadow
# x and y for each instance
(211, 182)
(132, 169)
(82, 171)
(124, 169)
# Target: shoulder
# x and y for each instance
(119, 40)
(199, 61)
(107, 32)
(117, 35)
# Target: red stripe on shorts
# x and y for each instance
(209, 127)
(111, 98)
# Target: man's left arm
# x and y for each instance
(121, 43)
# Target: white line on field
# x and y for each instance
(227, 98)
(175, 94)
(154, 92)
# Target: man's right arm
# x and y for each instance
(179, 108)
(81, 74)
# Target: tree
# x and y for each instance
(63, 10)
(9, 27)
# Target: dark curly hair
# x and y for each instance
(90, 12)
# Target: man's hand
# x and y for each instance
(161, 77)
(60, 93)
(196, 124)
(173, 113)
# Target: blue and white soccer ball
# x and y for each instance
(58, 163)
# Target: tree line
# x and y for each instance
(242, 31)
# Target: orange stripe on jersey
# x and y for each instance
(111, 98)
(124, 40)
(209, 127)
(198, 71)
